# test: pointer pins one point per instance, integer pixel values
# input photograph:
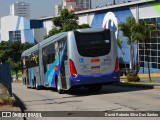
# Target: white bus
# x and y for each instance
(84, 57)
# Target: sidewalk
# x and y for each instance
(145, 75)
(144, 81)
(140, 85)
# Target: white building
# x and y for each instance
(16, 28)
(69, 4)
(76, 5)
(20, 9)
(58, 9)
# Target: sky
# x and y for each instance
(39, 8)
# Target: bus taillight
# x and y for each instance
(73, 70)
(117, 66)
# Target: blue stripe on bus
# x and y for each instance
(31, 76)
(49, 77)
(95, 78)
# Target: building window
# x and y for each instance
(153, 46)
(15, 36)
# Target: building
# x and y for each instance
(86, 4)
(69, 4)
(58, 9)
(76, 5)
(110, 16)
(16, 28)
(20, 9)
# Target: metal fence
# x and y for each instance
(5, 76)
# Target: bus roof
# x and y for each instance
(90, 30)
(52, 39)
(28, 51)
(43, 43)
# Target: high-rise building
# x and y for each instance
(20, 9)
(69, 4)
(84, 4)
(58, 9)
(75, 5)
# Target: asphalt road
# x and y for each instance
(110, 98)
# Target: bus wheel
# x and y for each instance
(27, 83)
(36, 85)
(59, 90)
(94, 88)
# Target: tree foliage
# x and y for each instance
(128, 29)
(11, 52)
(67, 21)
(135, 32)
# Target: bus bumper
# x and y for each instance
(112, 77)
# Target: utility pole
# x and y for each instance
(90, 4)
(114, 2)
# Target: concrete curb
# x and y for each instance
(144, 86)
(17, 107)
(20, 103)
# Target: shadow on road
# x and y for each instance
(107, 89)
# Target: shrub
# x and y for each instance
(132, 77)
(5, 98)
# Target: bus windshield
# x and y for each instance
(93, 44)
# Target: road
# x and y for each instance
(115, 98)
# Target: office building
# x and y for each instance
(58, 9)
(21, 9)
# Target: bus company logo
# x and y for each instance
(110, 22)
(81, 60)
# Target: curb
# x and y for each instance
(20, 103)
(17, 107)
(144, 86)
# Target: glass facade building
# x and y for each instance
(153, 46)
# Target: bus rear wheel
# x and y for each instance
(36, 84)
(59, 90)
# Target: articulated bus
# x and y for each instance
(84, 57)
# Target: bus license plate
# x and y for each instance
(96, 68)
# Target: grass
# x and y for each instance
(17, 81)
(5, 98)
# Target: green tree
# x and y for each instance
(65, 22)
(119, 44)
(11, 52)
(128, 29)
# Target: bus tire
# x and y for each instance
(27, 83)
(59, 90)
(35, 84)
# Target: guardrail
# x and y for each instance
(5, 76)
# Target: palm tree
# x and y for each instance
(119, 44)
(143, 34)
(128, 29)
